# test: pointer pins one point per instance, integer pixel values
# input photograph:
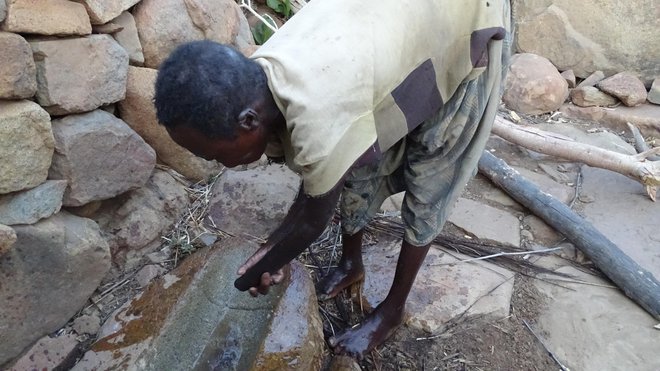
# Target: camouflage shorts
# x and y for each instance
(432, 164)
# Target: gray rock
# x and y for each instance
(190, 318)
(165, 24)
(128, 38)
(569, 76)
(559, 191)
(7, 238)
(52, 17)
(607, 330)
(48, 353)
(30, 206)
(590, 96)
(251, 202)
(87, 324)
(134, 220)
(26, 145)
(98, 79)
(645, 117)
(53, 268)
(570, 34)
(18, 75)
(654, 93)
(543, 233)
(145, 275)
(101, 11)
(139, 112)
(623, 213)
(625, 86)
(294, 340)
(533, 85)
(486, 222)
(3, 10)
(592, 79)
(100, 157)
(442, 290)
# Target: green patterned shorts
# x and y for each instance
(432, 164)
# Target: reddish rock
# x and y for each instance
(625, 86)
(165, 24)
(139, 112)
(7, 238)
(48, 353)
(52, 17)
(18, 75)
(99, 76)
(533, 85)
(590, 96)
(103, 11)
(49, 274)
(592, 79)
(25, 129)
(100, 157)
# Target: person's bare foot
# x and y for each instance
(371, 332)
(345, 275)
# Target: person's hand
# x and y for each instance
(267, 279)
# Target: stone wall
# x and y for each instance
(79, 142)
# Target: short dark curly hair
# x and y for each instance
(205, 85)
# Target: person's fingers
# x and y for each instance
(278, 276)
(253, 291)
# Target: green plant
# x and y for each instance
(282, 7)
(261, 32)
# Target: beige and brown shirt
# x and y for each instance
(354, 77)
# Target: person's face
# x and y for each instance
(247, 147)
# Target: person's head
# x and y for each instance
(215, 102)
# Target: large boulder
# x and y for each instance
(26, 145)
(165, 24)
(18, 75)
(102, 11)
(48, 275)
(533, 85)
(32, 205)
(139, 112)
(570, 34)
(52, 17)
(133, 220)
(128, 38)
(99, 76)
(100, 156)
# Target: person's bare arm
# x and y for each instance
(306, 220)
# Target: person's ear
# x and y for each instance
(248, 119)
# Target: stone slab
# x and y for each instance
(594, 328)
(645, 116)
(48, 353)
(486, 222)
(52, 17)
(442, 291)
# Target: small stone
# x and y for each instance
(625, 86)
(128, 38)
(48, 353)
(654, 93)
(148, 273)
(52, 17)
(100, 156)
(592, 79)
(103, 11)
(569, 76)
(18, 74)
(87, 324)
(533, 85)
(527, 235)
(99, 77)
(7, 238)
(590, 96)
(30, 206)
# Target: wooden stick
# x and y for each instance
(636, 282)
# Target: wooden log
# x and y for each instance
(636, 282)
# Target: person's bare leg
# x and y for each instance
(349, 270)
(388, 316)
